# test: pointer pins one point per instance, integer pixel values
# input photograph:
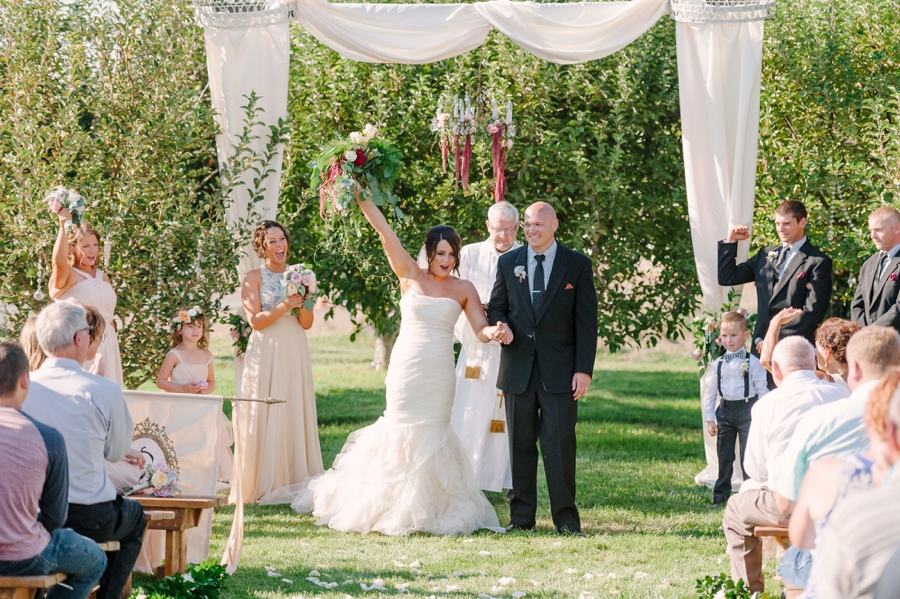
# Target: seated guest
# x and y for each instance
(773, 420)
(837, 429)
(832, 337)
(830, 480)
(863, 531)
(29, 344)
(91, 414)
(34, 483)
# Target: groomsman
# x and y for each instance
(794, 274)
(478, 401)
(545, 293)
(877, 289)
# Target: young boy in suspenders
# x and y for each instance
(733, 383)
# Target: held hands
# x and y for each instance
(501, 333)
(194, 387)
(738, 233)
(581, 382)
(712, 429)
(135, 458)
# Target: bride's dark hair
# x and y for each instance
(446, 233)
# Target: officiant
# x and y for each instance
(478, 411)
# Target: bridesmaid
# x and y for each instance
(279, 443)
(75, 276)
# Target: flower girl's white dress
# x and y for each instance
(407, 472)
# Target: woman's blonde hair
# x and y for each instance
(29, 342)
(76, 234)
(878, 405)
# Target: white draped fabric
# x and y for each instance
(241, 61)
(719, 71)
(424, 33)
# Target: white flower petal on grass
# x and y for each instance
(399, 564)
(330, 585)
(485, 596)
(614, 591)
(639, 575)
(519, 594)
(287, 580)
(506, 580)
(585, 595)
(663, 585)
(402, 585)
(457, 574)
(497, 589)
(312, 579)
(611, 575)
(468, 540)
(557, 543)
(587, 576)
(571, 571)
(379, 582)
(416, 572)
(482, 573)
(271, 568)
(452, 588)
(314, 573)
(435, 588)
(484, 553)
(348, 581)
(273, 573)
(415, 564)
(535, 583)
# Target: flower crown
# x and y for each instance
(185, 317)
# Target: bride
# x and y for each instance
(408, 472)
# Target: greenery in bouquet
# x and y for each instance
(240, 332)
(63, 198)
(706, 332)
(358, 162)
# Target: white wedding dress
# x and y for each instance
(408, 471)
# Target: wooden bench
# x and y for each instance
(780, 535)
(24, 587)
(187, 511)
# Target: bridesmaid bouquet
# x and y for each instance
(298, 279)
(240, 332)
(359, 162)
(156, 479)
(69, 199)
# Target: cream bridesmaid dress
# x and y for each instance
(279, 443)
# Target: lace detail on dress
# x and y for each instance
(271, 291)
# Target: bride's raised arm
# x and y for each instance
(401, 262)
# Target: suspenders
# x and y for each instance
(746, 380)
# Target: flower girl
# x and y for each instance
(188, 368)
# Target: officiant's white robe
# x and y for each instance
(476, 399)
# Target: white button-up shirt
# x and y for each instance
(732, 383)
(774, 419)
(90, 413)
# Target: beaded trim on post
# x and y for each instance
(721, 11)
(242, 14)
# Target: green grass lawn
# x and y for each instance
(649, 530)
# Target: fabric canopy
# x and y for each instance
(719, 66)
(425, 33)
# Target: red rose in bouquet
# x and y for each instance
(360, 158)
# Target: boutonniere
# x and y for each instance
(519, 271)
(745, 366)
(893, 276)
(801, 276)
(771, 256)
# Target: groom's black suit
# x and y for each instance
(877, 298)
(536, 372)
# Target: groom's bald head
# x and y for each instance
(540, 226)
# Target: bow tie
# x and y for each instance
(740, 354)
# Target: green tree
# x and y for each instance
(600, 141)
(829, 128)
(110, 99)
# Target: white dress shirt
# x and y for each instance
(732, 383)
(775, 417)
(90, 413)
(891, 254)
(792, 250)
(549, 255)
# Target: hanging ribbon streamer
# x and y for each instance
(502, 133)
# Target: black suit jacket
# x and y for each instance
(806, 284)
(876, 302)
(562, 336)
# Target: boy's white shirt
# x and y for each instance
(732, 384)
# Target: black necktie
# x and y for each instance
(537, 286)
(881, 265)
(781, 259)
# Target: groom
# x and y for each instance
(545, 293)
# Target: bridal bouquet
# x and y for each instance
(358, 162)
(156, 479)
(68, 199)
(297, 278)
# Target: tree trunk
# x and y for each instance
(383, 346)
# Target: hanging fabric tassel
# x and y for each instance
(445, 151)
(457, 167)
(466, 161)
